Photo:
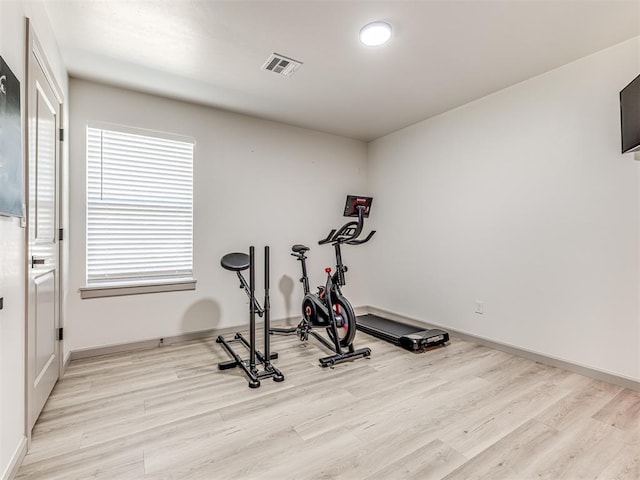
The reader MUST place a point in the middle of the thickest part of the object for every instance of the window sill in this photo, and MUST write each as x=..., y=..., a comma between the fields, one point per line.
x=136, y=289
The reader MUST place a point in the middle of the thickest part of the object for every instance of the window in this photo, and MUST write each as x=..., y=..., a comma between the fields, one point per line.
x=139, y=209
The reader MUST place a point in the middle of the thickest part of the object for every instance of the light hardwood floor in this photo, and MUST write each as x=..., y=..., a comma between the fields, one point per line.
x=460, y=412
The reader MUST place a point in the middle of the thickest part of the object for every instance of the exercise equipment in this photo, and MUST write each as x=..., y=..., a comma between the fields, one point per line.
x=406, y=336
x=238, y=262
x=328, y=308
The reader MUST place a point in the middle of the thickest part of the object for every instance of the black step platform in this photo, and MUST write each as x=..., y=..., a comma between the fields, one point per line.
x=406, y=336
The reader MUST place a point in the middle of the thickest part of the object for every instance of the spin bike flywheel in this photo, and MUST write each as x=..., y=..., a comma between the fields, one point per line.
x=344, y=315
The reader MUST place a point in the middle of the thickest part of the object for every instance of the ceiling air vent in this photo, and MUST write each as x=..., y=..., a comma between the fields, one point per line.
x=281, y=65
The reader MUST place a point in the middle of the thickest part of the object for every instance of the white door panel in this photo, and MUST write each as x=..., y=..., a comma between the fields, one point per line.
x=45, y=333
x=45, y=168
x=43, y=298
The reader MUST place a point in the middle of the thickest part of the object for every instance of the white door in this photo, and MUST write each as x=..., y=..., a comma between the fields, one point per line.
x=43, y=300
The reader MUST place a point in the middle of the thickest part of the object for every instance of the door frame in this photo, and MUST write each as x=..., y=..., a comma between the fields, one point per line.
x=34, y=47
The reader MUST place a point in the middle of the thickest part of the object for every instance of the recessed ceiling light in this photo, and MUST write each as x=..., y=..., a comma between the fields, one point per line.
x=375, y=34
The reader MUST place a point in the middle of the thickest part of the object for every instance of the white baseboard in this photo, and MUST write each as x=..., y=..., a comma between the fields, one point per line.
x=65, y=363
x=16, y=460
x=591, y=372
x=168, y=341
x=144, y=344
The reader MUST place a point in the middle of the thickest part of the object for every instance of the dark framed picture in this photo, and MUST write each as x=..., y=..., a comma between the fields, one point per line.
x=11, y=170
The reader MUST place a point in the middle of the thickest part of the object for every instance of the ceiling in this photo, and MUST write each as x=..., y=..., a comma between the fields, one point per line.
x=443, y=53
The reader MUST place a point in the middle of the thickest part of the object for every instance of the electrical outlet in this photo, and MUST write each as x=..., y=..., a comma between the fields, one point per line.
x=480, y=307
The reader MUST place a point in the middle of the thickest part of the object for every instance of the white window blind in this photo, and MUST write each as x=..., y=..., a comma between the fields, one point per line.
x=139, y=207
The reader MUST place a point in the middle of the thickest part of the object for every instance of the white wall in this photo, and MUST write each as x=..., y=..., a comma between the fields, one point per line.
x=521, y=200
x=256, y=182
x=12, y=237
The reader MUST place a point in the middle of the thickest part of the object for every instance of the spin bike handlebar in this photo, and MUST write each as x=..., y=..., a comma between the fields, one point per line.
x=349, y=232
x=328, y=239
x=360, y=242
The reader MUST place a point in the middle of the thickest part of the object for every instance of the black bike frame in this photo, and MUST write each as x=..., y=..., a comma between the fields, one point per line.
x=324, y=304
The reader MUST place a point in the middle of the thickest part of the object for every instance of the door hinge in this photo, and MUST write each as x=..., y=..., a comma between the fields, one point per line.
x=62, y=134
x=61, y=234
x=60, y=334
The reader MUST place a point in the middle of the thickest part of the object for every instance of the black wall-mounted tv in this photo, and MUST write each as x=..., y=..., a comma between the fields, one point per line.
x=630, y=116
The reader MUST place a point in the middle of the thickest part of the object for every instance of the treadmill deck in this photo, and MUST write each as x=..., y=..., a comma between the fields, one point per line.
x=407, y=336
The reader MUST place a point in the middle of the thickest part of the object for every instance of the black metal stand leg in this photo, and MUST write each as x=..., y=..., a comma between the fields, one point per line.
x=250, y=366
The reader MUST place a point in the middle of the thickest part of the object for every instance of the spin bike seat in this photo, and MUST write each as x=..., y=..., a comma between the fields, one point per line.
x=300, y=248
x=236, y=262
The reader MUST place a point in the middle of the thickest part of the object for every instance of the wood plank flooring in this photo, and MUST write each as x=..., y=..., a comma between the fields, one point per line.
x=460, y=412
